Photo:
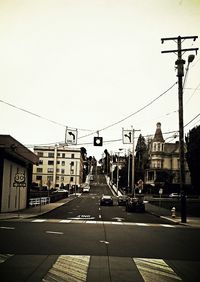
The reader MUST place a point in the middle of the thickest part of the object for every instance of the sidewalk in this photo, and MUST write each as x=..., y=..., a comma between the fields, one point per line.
x=166, y=214
x=37, y=210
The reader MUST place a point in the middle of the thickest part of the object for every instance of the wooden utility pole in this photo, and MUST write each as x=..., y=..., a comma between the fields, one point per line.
x=180, y=73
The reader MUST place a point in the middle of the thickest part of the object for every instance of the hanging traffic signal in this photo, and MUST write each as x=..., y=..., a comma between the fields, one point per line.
x=98, y=141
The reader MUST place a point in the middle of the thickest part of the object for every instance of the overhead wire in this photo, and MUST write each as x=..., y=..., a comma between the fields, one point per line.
x=136, y=112
x=39, y=116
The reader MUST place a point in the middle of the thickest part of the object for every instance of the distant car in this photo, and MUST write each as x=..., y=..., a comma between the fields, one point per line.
x=62, y=191
x=122, y=200
x=174, y=195
x=91, y=177
x=86, y=189
x=134, y=204
x=106, y=200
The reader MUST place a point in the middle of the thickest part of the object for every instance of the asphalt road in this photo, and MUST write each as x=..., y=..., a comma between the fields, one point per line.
x=87, y=242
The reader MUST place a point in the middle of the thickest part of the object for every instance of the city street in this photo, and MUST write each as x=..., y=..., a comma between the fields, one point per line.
x=89, y=242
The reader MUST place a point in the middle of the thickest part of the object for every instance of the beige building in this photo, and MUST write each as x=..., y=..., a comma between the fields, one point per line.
x=16, y=167
x=58, y=165
x=164, y=163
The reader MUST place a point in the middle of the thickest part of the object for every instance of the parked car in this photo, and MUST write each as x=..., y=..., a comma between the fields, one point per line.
x=122, y=200
x=86, y=188
x=135, y=204
x=106, y=200
x=174, y=195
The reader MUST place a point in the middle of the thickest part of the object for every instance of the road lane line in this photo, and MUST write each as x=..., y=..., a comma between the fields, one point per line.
x=4, y=257
x=7, y=227
x=155, y=270
x=65, y=221
x=39, y=220
x=54, y=232
x=68, y=268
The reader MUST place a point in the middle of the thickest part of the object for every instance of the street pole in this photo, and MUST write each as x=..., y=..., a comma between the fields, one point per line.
x=133, y=162
x=180, y=73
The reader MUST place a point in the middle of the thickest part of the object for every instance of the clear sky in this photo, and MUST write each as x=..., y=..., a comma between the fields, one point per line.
x=89, y=64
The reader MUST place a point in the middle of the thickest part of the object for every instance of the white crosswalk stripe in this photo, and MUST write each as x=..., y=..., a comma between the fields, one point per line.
x=81, y=221
x=155, y=270
x=68, y=268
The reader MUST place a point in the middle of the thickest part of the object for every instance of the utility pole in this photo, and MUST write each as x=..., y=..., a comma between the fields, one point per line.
x=180, y=73
x=133, y=162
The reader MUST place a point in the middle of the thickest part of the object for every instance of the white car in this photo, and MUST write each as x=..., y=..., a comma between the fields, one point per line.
x=174, y=195
x=86, y=188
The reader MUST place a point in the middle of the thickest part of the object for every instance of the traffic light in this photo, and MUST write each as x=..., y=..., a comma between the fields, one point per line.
x=98, y=141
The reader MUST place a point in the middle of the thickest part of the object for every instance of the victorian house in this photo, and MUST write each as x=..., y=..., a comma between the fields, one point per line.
x=164, y=163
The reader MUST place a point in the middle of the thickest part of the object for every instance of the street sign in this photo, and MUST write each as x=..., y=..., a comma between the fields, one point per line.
x=127, y=136
x=19, y=179
x=71, y=136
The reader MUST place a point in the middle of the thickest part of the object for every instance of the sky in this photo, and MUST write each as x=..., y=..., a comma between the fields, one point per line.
x=94, y=65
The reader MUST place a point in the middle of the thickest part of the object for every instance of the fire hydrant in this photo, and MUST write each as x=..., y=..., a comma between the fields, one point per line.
x=173, y=210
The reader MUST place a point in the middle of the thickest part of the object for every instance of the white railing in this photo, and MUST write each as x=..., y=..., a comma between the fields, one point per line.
x=39, y=201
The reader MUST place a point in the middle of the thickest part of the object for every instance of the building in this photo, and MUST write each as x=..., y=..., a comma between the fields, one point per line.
x=59, y=166
x=16, y=167
x=164, y=163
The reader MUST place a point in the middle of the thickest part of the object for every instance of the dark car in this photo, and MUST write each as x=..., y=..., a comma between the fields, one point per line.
x=135, y=204
x=106, y=200
x=122, y=200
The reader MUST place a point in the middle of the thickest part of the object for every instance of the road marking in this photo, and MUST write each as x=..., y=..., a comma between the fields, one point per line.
x=54, y=232
x=155, y=270
x=68, y=268
x=65, y=221
x=167, y=225
x=38, y=220
x=105, y=242
x=99, y=215
x=142, y=224
x=4, y=257
x=7, y=227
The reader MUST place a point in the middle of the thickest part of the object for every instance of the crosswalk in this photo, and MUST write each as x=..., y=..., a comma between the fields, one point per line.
x=76, y=220
x=86, y=268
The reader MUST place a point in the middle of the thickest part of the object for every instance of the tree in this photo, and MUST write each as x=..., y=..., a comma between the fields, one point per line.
x=141, y=158
x=193, y=155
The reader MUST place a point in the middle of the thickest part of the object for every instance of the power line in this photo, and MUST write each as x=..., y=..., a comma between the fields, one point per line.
x=38, y=116
x=136, y=112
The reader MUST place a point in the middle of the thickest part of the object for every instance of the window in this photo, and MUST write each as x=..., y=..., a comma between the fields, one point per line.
x=41, y=162
x=71, y=179
x=63, y=155
x=62, y=171
x=39, y=169
x=58, y=162
x=62, y=178
x=63, y=162
x=50, y=178
x=50, y=170
x=72, y=156
x=51, y=155
x=58, y=154
x=154, y=147
x=72, y=163
x=158, y=146
x=50, y=162
x=72, y=171
x=57, y=170
x=38, y=177
x=57, y=177
x=40, y=154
